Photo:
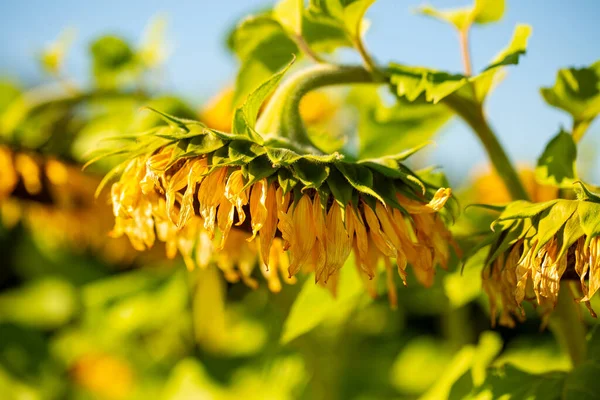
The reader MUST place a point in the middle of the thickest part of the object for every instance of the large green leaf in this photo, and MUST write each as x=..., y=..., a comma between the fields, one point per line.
x=556, y=165
x=289, y=13
x=481, y=12
x=384, y=130
x=315, y=304
x=347, y=15
x=576, y=91
x=263, y=47
x=508, y=56
x=244, y=118
x=112, y=59
x=432, y=86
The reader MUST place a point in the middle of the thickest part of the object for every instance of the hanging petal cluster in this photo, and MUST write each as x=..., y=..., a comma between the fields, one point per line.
x=535, y=246
x=226, y=198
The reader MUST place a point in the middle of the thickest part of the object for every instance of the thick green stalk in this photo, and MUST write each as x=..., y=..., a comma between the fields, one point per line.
x=472, y=113
x=282, y=115
x=579, y=129
x=567, y=326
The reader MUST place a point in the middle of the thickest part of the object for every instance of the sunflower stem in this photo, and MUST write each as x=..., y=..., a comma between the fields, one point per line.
x=579, y=129
x=282, y=115
x=471, y=111
x=568, y=327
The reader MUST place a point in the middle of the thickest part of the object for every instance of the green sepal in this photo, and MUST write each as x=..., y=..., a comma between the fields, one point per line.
x=287, y=180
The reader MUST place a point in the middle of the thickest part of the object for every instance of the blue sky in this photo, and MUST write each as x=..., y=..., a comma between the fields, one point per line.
x=563, y=35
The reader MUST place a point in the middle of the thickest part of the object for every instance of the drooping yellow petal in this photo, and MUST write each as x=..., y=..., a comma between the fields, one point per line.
x=594, y=268
x=319, y=255
x=269, y=228
x=361, y=241
x=176, y=183
x=375, y=233
x=210, y=194
x=258, y=206
x=297, y=230
x=224, y=220
x=236, y=194
x=437, y=202
x=197, y=168
x=338, y=242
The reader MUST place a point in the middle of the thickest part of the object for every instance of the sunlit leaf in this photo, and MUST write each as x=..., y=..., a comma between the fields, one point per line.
x=556, y=165
x=315, y=304
x=481, y=12
x=576, y=91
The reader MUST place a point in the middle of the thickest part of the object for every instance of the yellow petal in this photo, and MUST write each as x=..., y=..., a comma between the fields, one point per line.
x=269, y=228
x=258, y=206
x=297, y=230
x=437, y=202
x=338, y=243
x=210, y=194
x=235, y=193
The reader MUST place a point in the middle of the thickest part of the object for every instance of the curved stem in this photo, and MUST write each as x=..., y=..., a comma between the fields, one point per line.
x=567, y=326
x=282, y=115
x=579, y=129
x=472, y=113
x=464, y=48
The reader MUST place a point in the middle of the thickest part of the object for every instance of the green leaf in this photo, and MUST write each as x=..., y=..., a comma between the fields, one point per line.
x=508, y=56
x=416, y=82
x=286, y=180
x=408, y=124
x=311, y=174
x=576, y=91
x=523, y=209
x=244, y=118
x=314, y=304
x=583, y=383
x=323, y=34
x=430, y=85
x=354, y=12
x=112, y=59
x=289, y=14
x=360, y=177
x=347, y=15
x=552, y=220
x=482, y=12
x=203, y=144
x=339, y=187
x=242, y=152
x=263, y=47
x=511, y=383
x=258, y=169
x=589, y=217
x=556, y=166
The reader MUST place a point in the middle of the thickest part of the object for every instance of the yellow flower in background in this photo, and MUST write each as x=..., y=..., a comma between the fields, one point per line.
x=56, y=202
x=104, y=375
x=490, y=189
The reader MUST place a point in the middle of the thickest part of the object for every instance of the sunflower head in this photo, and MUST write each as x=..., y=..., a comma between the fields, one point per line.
x=536, y=245
x=242, y=202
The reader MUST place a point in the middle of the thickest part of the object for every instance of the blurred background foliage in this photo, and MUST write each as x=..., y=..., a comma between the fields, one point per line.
x=82, y=316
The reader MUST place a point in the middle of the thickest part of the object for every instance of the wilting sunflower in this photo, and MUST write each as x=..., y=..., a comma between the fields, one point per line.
x=534, y=247
x=243, y=201
x=56, y=200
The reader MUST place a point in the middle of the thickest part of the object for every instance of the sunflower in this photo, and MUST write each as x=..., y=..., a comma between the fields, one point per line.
x=226, y=197
x=534, y=247
x=56, y=200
